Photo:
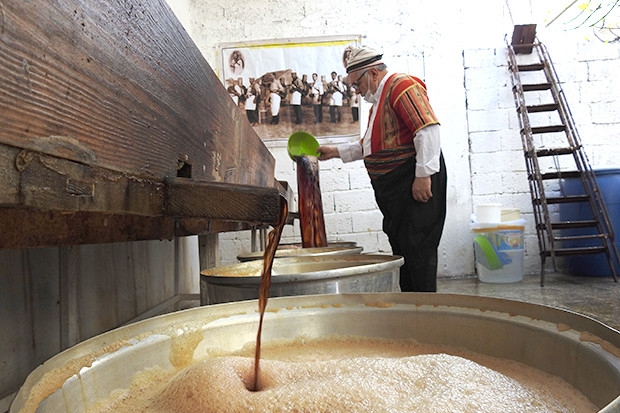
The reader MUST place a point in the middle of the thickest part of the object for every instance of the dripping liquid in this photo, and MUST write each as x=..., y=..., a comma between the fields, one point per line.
x=313, y=234
x=311, y=220
x=265, y=283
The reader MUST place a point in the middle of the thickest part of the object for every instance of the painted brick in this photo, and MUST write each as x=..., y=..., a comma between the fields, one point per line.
x=486, y=184
x=571, y=71
x=482, y=101
x=359, y=179
x=483, y=78
x=483, y=163
x=355, y=200
x=506, y=99
x=594, y=50
x=511, y=141
x=606, y=114
x=606, y=90
x=602, y=70
x=372, y=242
x=515, y=182
x=334, y=180
x=367, y=221
x=331, y=164
x=488, y=120
x=329, y=205
x=484, y=58
x=340, y=223
x=482, y=142
x=291, y=233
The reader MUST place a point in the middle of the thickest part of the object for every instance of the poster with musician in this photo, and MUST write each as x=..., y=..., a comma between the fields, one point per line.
x=287, y=85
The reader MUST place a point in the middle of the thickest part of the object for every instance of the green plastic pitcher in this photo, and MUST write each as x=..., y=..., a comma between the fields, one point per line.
x=302, y=144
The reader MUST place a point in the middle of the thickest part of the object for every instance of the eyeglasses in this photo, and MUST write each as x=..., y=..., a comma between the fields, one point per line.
x=356, y=84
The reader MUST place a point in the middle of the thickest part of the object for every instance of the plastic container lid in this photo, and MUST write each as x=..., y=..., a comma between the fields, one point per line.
x=302, y=144
x=477, y=227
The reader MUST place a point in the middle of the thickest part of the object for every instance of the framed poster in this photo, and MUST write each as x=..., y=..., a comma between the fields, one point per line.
x=286, y=85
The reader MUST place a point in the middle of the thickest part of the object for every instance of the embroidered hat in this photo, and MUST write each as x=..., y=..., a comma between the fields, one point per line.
x=362, y=57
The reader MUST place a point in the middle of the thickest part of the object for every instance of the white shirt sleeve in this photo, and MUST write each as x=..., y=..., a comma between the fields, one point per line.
x=350, y=151
x=428, y=149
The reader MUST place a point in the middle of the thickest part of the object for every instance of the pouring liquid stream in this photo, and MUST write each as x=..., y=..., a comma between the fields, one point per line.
x=313, y=235
x=265, y=283
x=311, y=220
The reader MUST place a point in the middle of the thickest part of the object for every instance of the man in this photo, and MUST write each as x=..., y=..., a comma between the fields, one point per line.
x=275, y=94
x=402, y=154
x=336, y=88
x=297, y=92
x=316, y=94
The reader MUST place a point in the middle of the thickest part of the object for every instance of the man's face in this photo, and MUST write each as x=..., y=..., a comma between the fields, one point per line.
x=359, y=80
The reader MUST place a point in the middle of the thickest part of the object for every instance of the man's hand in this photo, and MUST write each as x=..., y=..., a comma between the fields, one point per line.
x=421, y=189
x=327, y=152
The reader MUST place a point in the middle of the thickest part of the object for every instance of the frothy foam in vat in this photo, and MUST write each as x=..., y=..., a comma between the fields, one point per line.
x=354, y=376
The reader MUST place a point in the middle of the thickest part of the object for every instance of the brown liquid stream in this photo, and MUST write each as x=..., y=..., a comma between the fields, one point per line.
x=265, y=283
x=312, y=233
x=311, y=219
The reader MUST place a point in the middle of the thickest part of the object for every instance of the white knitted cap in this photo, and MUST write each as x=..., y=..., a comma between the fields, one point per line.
x=362, y=57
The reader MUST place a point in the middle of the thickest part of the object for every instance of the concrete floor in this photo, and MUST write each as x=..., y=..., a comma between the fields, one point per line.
x=597, y=297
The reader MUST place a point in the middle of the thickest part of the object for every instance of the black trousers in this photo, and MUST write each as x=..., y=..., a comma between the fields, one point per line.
x=413, y=228
x=318, y=113
x=297, y=111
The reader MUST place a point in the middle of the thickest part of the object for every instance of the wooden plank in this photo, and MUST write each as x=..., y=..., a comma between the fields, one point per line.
x=39, y=181
x=51, y=201
x=189, y=198
x=24, y=228
x=120, y=84
x=50, y=183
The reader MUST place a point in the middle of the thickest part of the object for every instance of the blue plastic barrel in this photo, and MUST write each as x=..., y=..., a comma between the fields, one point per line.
x=591, y=265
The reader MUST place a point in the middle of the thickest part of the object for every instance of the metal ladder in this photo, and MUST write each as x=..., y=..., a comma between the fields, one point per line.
x=553, y=152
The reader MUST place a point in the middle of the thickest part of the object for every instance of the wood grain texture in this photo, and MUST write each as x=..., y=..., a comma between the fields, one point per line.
x=189, y=198
x=25, y=228
x=120, y=84
x=102, y=102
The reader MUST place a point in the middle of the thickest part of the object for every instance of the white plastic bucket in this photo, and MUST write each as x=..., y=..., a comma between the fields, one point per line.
x=489, y=213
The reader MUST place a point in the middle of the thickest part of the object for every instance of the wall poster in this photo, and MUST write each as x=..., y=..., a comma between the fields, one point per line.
x=286, y=85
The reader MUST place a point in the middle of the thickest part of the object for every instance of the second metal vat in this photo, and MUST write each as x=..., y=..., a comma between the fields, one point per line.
x=355, y=273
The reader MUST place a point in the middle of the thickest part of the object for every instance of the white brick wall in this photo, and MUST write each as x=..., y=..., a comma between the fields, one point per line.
x=497, y=163
x=465, y=68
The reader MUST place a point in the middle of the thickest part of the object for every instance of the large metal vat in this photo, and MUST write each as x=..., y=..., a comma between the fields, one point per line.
x=295, y=250
x=305, y=275
x=580, y=350
x=339, y=244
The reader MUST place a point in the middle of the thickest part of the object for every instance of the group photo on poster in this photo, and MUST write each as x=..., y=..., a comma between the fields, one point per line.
x=294, y=85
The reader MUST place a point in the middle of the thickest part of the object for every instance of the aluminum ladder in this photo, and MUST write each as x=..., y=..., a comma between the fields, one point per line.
x=553, y=152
